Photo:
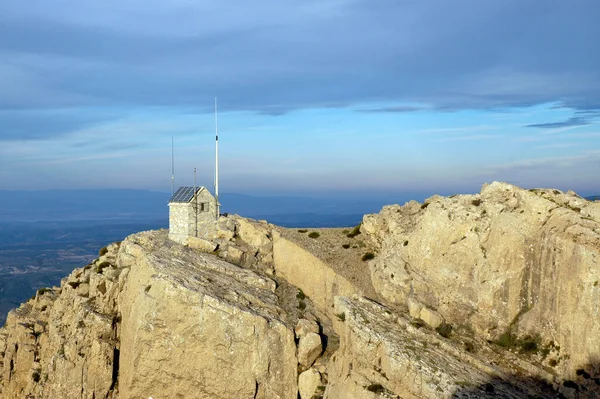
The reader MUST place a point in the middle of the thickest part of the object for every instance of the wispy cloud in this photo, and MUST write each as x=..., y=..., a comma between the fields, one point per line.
x=396, y=109
x=475, y=137
x=461, y=129
x=558, y=145
x=571, y=122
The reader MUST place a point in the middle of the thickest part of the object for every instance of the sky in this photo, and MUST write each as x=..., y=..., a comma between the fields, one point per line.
x=352, y=97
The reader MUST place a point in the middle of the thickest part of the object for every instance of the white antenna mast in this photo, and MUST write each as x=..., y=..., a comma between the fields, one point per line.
x=216, y=160
x=172, y=165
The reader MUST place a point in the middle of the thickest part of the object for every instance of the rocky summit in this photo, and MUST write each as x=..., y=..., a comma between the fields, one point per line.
x=492, y=295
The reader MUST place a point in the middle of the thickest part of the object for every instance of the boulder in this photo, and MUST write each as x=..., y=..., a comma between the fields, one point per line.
x=309, y=349
x=201, y=244
x=304, y=327
x=309, y=383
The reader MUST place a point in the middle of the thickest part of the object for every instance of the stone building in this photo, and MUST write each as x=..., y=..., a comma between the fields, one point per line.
x=192, y=213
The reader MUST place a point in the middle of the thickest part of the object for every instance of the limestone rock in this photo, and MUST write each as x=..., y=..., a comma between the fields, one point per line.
x=431, y=317
x=163, y=321
x=253, y=233
x=309, y=383
x=234, y=255
x=309, y=273
x=504, y=259
x=201, y=244
x=304, y=327
x=309, y=349
x=382, y=355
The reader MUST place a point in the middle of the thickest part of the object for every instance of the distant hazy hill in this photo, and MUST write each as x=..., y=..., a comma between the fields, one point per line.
x=593, y=198
x=73, y=205
x=69, y=205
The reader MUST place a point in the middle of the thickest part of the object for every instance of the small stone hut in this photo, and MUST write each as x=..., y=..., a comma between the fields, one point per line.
x=192, y=213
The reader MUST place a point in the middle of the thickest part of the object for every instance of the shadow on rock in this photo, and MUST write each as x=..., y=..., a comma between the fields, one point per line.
x=585, y=385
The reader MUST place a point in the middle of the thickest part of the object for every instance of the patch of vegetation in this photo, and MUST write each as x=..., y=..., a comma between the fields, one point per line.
x=314, y=234
x=301, y=305
x=476, y=202
x=368, y=256
x=346, y=246
x=341, y=316
x=596, y=283
x=528, y=344
x=553, y=363
x=42, y=291
x=425, y=205
x=444, y=330
x=74, y=284
x=405, y=243
x=376, y=388
x=36, y=376
x=103, y=251
x=355, y=231
x=345, y=231
x=101, y=266
x=300, y=295
x=302, y=231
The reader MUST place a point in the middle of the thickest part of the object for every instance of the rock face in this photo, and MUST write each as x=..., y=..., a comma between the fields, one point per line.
x=159, y=320
x=472, y=296
x=506, y=262
x=384, y=355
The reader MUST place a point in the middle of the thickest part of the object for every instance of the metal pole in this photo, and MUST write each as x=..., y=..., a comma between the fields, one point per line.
x=172, y=166
x=216, y=160
x=195, y=206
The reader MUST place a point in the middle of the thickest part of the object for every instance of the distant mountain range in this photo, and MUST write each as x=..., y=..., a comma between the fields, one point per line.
x=593, y=198
x=78, y=205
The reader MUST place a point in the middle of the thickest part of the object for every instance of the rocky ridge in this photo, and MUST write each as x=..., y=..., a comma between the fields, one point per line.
x=486, y=295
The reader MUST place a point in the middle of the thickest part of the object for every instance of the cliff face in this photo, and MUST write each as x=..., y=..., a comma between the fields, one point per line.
x=488, y=295
x=152, y=319
x=506, y=263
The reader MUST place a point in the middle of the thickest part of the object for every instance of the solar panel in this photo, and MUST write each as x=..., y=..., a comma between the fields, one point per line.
x=183, y=194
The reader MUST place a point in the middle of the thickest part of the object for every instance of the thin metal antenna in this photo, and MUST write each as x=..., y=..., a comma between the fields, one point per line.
x=217, y=160
x=195, y=206
x=172, y=165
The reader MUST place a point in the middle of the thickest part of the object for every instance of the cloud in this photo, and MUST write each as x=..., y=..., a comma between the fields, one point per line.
x=276, y=56
x=397, y=109
x=47, y=124
x=475, y=137
x=573, y=121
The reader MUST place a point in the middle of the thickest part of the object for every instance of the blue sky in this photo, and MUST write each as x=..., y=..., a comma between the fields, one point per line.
x=337, y=96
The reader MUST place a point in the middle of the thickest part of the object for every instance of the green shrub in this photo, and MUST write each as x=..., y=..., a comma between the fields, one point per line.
x=529, y=344
x=507, y=340
x=345, y=231
x=341, y=316
x=377, y=388
x=301, y=305
x=444, y=330
x=313, y=234
x=101, y=266
x=368, y=256
x=300, y=295
x=355, y=231
x=346, y=246
x=42, y=291
x=302, y=231
x=103, y=251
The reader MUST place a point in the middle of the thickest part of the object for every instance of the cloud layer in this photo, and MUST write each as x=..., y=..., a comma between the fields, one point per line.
x=273, y=56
